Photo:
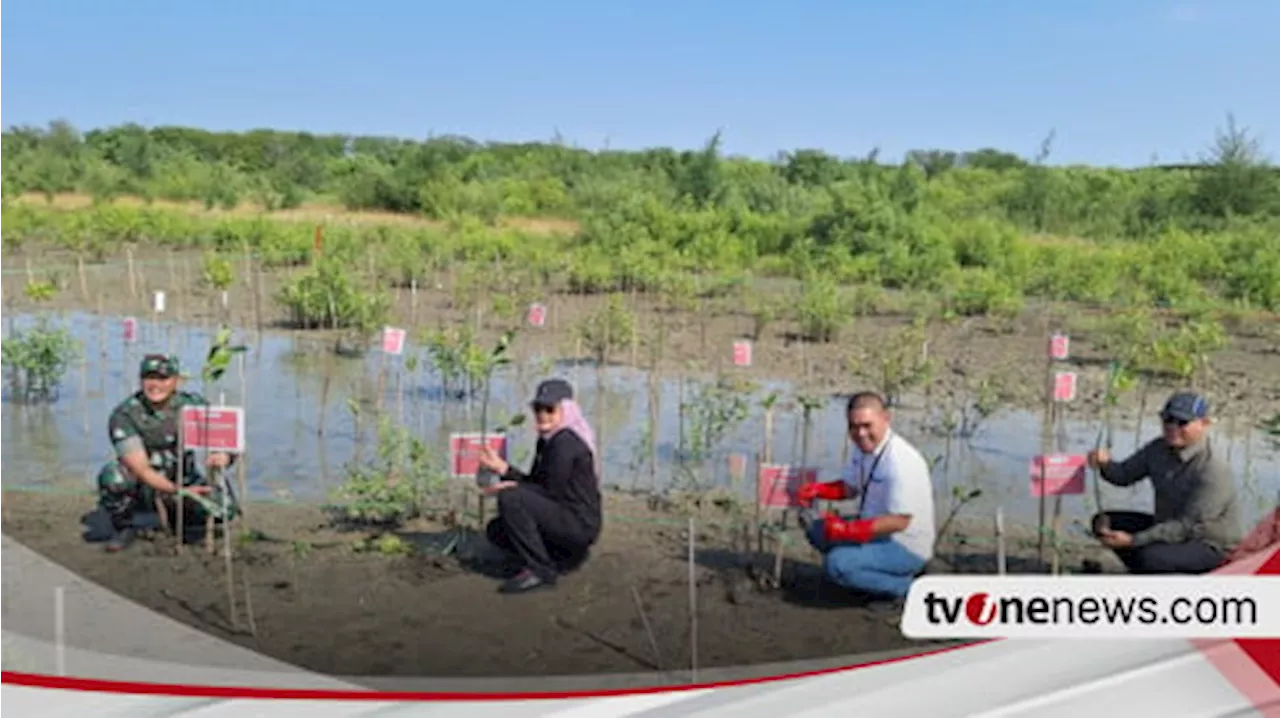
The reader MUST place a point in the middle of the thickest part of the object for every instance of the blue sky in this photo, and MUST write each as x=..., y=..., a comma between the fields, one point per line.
x=1121, y=81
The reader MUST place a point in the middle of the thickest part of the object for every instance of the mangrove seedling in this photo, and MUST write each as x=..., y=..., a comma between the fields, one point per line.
x=37, y=359
x=808, y=404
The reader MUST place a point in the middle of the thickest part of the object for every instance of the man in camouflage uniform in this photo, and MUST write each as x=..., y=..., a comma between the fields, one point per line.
x=144, y=434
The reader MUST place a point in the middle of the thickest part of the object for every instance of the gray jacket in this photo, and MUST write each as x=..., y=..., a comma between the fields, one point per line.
x=1195, y=496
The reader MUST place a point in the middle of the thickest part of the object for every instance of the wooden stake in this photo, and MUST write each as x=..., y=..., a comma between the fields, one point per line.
x=84, y=281
x=693, y=607
x=133, y=278
x=1001, y=567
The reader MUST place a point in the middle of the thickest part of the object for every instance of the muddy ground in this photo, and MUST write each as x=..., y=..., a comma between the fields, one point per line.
x=321, y=603
x=1245, y=380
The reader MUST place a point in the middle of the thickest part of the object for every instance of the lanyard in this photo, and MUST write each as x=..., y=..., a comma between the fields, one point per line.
x=866, y=482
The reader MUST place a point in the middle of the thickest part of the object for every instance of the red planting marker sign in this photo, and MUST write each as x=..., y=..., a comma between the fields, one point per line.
x=216, y=428
x=779, y=484
x=464, y=452
x=1058, y=475
x=737, y=465
x=742, y=353
x=130, y=330
x=1059, y=347
x=537, y=315
x=1064, y=386
x=393, y=341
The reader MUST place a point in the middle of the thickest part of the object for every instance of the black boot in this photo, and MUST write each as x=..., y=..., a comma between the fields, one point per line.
x=120, y=540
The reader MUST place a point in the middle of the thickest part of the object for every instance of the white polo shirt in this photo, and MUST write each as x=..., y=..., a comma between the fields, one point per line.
x=899, y=483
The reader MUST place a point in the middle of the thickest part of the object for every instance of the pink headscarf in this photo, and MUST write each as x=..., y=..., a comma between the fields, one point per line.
x=571, y=418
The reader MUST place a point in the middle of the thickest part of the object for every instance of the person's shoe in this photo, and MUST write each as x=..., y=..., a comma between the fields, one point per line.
x=885, y=606
x=120, y=540
x=524, y=582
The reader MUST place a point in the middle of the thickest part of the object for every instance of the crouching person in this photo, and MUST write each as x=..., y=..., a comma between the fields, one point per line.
x=144, y=434
x=882, y=549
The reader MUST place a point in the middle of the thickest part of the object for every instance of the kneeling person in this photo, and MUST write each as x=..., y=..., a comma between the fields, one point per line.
x=144, y=433
x=1196, y=522
x=883, y=548
x=548, y=518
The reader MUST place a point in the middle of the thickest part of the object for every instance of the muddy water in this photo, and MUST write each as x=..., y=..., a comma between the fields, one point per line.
x=311, y=413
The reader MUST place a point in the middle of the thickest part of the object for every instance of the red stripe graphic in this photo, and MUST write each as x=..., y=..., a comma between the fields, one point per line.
x=36, y=680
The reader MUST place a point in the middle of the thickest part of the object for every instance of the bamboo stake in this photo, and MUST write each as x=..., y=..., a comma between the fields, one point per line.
x=693, y=607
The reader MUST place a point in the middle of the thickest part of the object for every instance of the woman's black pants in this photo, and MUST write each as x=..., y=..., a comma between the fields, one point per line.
x=546, y=536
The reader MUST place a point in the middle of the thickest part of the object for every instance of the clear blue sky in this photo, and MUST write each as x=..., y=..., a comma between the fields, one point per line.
x=1121, y=81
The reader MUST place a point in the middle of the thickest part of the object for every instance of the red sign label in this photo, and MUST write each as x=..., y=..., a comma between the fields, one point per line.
x=464, y=452
x=1058, y=475
x=779, y=484
x=216, y=428
x=393, y=340
x=537, y=315
x=1064, y=386
x=742, y=353
x=130, y=330
x=1059, y=347
x=737, y=465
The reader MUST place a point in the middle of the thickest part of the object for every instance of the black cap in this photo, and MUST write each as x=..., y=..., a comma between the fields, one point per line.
x=1185, y=406
x=551, y=392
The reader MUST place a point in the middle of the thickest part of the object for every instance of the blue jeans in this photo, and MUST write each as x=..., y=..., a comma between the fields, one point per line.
x=883, y=566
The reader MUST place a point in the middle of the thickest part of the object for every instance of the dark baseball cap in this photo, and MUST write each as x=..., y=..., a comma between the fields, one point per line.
x=551, y=392
x=1185, y=406
x=160, y=365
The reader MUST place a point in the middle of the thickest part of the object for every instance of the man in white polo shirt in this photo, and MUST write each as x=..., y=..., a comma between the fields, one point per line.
x=884, y=547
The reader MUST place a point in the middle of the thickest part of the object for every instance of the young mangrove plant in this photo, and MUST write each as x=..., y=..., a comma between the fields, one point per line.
x=218, y=274
x=606, y=329
x=36, y=361
x=821, y=311
x=395, y=486
x=902, y=363
x=326, y=296
x=451, y=351
x=714, y=410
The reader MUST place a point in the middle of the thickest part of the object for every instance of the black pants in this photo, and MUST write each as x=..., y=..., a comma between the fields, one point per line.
x=547, y=537
x=1191, y=557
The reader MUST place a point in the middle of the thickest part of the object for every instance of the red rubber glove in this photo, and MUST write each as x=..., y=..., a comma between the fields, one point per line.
x=837, y=530
x=830, y=491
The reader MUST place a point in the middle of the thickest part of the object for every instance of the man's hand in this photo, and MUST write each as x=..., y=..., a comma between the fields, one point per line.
x=199, y=490
x=498, y=487
x=1116, y=539
x=218, y=460
x=1099, y=458
x=807, y=493
x=831, y=491
x=490, y=460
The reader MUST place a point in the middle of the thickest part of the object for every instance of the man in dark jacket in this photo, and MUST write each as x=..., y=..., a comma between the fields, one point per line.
x=1196, y=521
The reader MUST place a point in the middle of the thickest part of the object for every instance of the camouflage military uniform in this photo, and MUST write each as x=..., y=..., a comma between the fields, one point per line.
x=136, y=425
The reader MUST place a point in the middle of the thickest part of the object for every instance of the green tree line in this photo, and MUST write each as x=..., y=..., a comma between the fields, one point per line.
x=447, y=176
x=986, y=222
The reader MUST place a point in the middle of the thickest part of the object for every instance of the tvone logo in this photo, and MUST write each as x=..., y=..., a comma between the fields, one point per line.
x=980, y=609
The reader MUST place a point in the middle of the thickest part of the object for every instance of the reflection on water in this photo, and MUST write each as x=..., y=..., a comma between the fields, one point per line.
x=311, y=412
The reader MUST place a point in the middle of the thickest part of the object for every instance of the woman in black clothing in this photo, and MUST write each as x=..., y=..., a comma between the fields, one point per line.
x=550, y=517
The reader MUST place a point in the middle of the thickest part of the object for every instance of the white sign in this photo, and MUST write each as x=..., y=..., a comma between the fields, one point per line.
x=157, y=303
x=1099, y=607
